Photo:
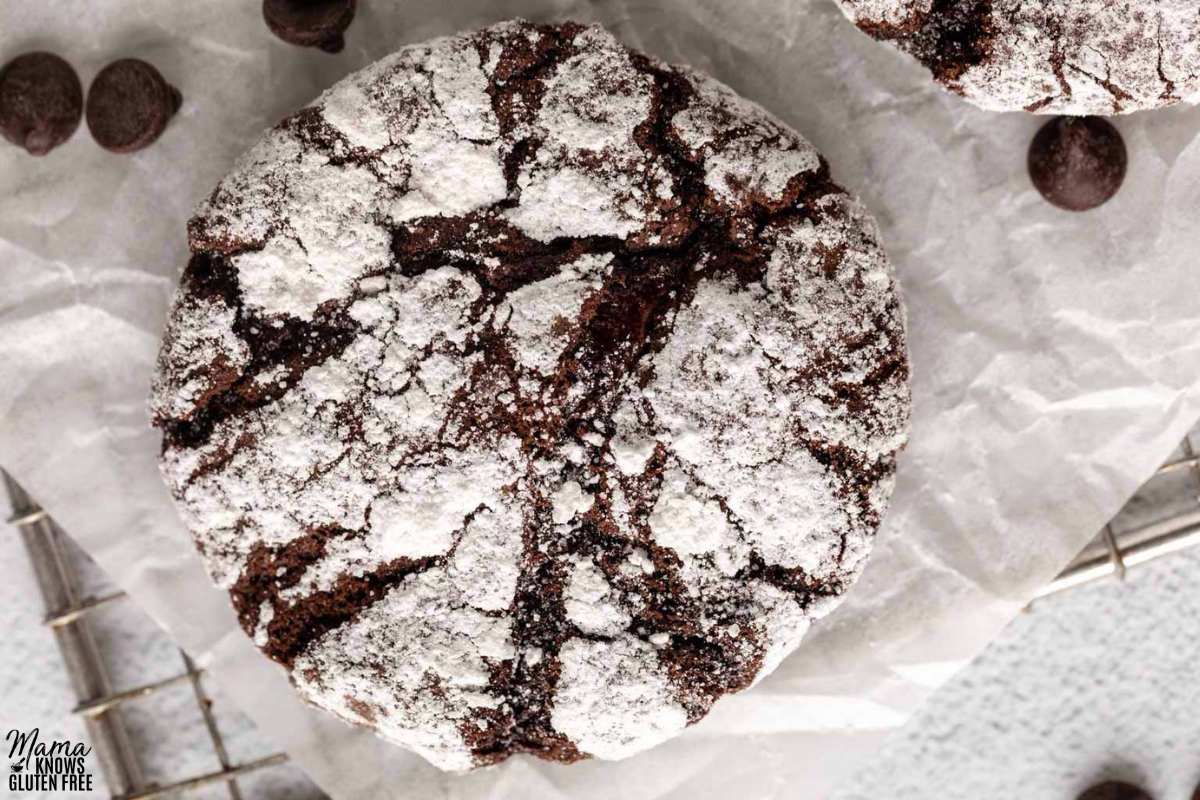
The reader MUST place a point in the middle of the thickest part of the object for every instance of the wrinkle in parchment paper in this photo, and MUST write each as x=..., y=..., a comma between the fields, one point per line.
x=1055, y=357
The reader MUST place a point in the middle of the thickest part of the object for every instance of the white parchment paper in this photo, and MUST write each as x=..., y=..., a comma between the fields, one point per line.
x=1056, y=357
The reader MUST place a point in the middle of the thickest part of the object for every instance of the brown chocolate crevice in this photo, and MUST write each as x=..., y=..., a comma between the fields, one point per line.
x=289, y=343
x=949, y=38
x=297, y=624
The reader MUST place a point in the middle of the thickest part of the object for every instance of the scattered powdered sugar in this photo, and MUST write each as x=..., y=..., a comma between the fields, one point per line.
x=486, y=562
x=355, y=116
x=569, y=500
x=613, y=699
x=891, y=12
x=594, y=102
x=424, y=678
x=572, y=202
x=758, y=160
x=529, y=395
x=631, y=446
x=200, y=355
x=592, y=603
x=460, y=88
x=449, y=179
x=420, y=516
x=266, y=613
x=1083, y=57
x=540, y=316
x=687, y=522
x=326, y=250
x=734, y=170
x=592, y=105
x=784, y=621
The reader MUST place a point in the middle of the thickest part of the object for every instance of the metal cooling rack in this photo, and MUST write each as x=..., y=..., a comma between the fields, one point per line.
x=99, y=705
x=1112, y=555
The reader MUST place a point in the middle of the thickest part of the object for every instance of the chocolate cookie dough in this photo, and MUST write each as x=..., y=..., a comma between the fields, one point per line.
x=1077, y=57
x=41, y=101
x=310, y=23
x=529, y=395
x=1077, y=163
x=129, y=105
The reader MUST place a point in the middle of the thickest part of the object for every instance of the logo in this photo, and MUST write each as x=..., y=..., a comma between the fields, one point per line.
x=37, y=766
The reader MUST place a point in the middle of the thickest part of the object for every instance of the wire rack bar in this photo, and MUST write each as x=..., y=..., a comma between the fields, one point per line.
x=206, y=779
x=1104, y=566
x=85, y=606
x=101, y=704
x=210, y=724
x=1116, y=556
x=1139, y=546
x=27, y=517
x=1187, y=462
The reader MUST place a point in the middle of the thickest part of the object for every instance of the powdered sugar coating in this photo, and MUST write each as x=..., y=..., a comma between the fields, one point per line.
x=611, y=701
x=529, y=395
x=1079, y=57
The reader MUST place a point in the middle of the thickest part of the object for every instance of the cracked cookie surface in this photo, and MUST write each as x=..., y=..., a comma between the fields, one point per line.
x=1048, y=56
x=528, y=395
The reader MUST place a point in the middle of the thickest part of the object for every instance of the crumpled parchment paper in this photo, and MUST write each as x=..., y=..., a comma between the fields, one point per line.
x=1056, y=357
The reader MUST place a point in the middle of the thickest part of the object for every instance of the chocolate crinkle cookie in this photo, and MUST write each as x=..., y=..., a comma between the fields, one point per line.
x=528, y=395
x=1074, y=57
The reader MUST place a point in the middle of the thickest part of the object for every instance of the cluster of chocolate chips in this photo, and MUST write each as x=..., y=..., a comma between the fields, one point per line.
x=130, y=103
x=41, y=102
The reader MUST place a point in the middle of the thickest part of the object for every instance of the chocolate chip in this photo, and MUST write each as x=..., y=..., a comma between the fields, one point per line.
x=1114, y=790
x=41, y=101
x=310, y=23
x=129, y=105
x=1077, y=163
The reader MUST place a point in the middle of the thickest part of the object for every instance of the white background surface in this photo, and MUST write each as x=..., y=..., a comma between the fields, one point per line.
x=1098, y=682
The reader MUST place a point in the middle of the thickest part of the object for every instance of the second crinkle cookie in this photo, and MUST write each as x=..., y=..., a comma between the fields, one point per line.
x=529, y=394
x=1050, y=56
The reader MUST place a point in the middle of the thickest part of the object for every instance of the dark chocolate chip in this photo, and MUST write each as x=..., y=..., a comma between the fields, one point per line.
x=1115, y=790
x=310, y=23
x=1077, y=163
x=41, y=101
x=129, y=105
